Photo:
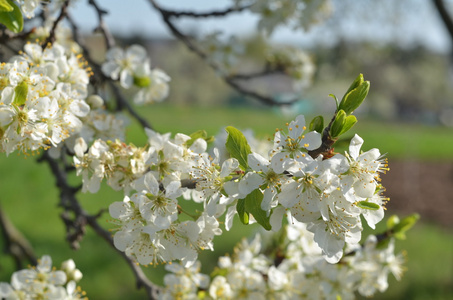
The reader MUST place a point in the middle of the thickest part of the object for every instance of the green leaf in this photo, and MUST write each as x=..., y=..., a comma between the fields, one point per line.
x=392, y=221
x=142, y=82
x=336, y=100
x=317, y=124
x=356, y=83
x=200, y=134
x=243, y=215
x=253, y=206
x=5, y=6
x=13, y=20
x=355, y=95
x=219, y=272
x=20, y=93
x=202, y=295
x=338, y=123
x=348, y=123
x=402, y=227
x=368, y=205
x=237, y=146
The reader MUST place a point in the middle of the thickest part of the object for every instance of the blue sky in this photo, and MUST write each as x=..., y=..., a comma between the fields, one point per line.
x=418, y=23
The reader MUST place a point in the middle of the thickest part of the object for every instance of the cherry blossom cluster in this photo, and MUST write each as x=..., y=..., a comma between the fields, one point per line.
x=43, y=95
x=294, y=13
x=295, y=269
x=329, y=194
x=149, y=227
x=45, y=282
x=132, y=67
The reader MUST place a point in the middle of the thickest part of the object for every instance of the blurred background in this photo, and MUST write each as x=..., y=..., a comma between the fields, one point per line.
x=404, y=48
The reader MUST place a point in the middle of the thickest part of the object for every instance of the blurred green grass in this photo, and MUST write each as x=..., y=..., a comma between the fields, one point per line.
x=396, y=140
x=30, y=198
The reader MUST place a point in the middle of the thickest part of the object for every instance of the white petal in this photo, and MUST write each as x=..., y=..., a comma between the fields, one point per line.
x=122, y=240
x=79, y=108
x=277, y=217
x=199, y=146
x=136, y=53
x=250, y=182
x=151, y=183
x=80, y=147
x=229, y=166
x=354, y=146
x=277, y=162
x=257, y=162
x=313, y=139
x=229, y=217
x=297, y=127
x=173, y=190
x=114, y=53
x=126, y=79
x=111, y=69
x=373, y=217
x=365, y=186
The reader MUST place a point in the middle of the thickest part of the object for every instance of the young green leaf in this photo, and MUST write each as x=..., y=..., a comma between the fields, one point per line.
x=253, y=206
x=5, y=6
x=356, y=83
x=317, y=124
x=355, y=95
x=400, y=228
x=13, y=19
x=20, y=93
x=368, y=205
x=348, y=123
x=338, y=124
x=336, y=100
x=237, y=146
x=243, y=215
x=142, y=81
x=392, y=221
x=200, y=134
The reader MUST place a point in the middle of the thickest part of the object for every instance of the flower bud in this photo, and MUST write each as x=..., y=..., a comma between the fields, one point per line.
x=95, y=101
x=68, y=266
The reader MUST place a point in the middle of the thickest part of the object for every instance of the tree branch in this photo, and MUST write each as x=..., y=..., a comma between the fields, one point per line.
x=76, y=226
x=15, y=243
x=445, y=16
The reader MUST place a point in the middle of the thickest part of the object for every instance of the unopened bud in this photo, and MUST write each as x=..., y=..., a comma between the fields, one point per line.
x=95, y=101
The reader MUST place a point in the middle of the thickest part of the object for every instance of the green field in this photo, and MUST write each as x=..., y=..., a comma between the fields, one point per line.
x=30, y=198
x=398, y=140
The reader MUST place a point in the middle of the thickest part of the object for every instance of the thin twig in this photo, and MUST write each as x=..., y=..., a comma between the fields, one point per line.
x=216, y=13
x=265, y=72
x=109, y=40
x=122, y=103
x=64, y=10
x=229, y=80
x=15, y=243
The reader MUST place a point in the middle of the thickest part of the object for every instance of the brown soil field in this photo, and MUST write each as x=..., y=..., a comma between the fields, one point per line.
x=422, y=187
